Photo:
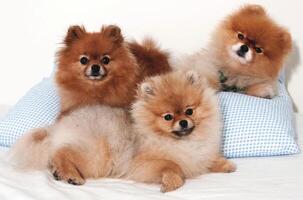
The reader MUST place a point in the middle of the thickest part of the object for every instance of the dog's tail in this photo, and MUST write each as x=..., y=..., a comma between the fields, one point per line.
x=31, y=151
x=150, y=57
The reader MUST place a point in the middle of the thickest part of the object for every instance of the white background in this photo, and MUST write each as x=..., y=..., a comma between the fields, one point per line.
x=31, y=32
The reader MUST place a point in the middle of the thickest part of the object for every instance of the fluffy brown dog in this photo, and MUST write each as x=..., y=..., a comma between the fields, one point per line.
x=178, y=131
x=97, y=74
x=101, y=68
x=247, y=49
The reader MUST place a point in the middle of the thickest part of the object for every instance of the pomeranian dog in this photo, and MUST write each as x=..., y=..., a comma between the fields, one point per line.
x=94, y=70
x=178, y=131
x=89, y=142
x=102, y=68
x=246, y=53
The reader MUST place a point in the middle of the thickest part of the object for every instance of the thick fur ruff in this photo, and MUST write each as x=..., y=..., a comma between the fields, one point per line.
x=161, y=156
x=90, y=142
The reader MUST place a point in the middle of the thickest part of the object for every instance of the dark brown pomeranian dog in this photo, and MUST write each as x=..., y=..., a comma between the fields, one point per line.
x=97, y=78
x=248, y=50
x=101, y=68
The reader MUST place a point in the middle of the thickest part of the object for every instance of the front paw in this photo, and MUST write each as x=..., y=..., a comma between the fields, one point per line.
x=171, y=181
x=63, y=169
x=69, y=177
x=263, y=91
x=228, y=167
x=222, y=165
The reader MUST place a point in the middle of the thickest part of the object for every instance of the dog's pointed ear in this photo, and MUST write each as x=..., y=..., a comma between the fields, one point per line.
x=113, y=32
x=74, y=33
x=192, y=77
x=146, y=89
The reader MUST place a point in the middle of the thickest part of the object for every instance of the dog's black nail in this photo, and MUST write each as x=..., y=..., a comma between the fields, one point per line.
x=268, y=97
x=73, y=182
x=56, y=176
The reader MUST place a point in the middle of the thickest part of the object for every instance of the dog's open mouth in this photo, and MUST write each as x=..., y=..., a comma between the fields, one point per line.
x=183, y=132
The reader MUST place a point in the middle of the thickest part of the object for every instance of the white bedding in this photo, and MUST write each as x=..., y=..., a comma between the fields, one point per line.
x=271, y=178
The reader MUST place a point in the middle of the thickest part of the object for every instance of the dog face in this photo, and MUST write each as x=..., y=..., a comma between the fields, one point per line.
x=251, y=43
x=94, y=60
x=174, y=119
x=171, y=105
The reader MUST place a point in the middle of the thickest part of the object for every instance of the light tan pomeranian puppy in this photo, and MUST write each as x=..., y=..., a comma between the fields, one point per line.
x=246, y=53
x=89, y=142
x=178, y=127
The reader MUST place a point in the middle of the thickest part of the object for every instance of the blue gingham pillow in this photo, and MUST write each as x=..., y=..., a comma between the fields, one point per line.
x=38, y=107
x=256, y=126
x=252, y=126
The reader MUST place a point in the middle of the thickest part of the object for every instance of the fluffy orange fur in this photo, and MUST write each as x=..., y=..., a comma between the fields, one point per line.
x=98, y=97
x=127, y=67
x=166, y=152
x=259, y=30
x=257, y=26
x=267, y=45
x=151, y=59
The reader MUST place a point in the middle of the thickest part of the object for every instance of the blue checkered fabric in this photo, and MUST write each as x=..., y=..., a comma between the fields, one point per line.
x=39, y=107
x=257, y=127
x=252, y=126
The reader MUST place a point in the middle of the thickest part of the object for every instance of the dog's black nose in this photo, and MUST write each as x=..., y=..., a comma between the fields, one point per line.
x=183, y=123
x=95, y=70
x=244, y=48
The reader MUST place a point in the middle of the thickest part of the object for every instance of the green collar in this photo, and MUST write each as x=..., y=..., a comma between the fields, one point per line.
x=227, y=88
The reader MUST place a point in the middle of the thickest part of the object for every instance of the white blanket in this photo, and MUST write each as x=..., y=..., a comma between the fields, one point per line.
x=274, y=178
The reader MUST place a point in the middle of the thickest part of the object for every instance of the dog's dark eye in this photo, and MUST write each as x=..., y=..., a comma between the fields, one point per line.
x=240, y=36
x=258, y=50
x=168, y=117
x=189, y=111
x=83, y=60
x=105, y=60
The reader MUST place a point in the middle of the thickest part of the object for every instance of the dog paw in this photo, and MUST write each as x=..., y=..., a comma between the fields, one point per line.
x=267, y=94
x=171, y=181
x=67, y=174
x=229, y=167
x=263, y=91
x=65, y=167
x=70, y=178
x=222, y=165
x=75, y=181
